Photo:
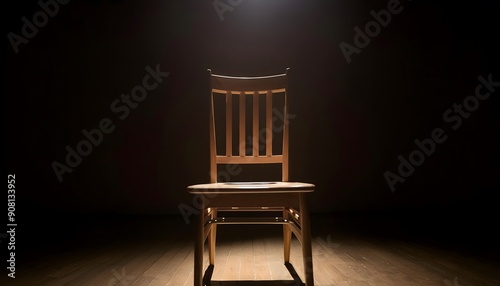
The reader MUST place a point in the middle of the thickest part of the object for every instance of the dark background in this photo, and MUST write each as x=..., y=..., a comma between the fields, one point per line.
x=352, y=120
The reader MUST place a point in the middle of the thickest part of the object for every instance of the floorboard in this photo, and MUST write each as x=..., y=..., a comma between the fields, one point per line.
x=159, y=251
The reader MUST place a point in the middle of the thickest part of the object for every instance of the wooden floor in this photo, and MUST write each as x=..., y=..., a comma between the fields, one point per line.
x=143, y=252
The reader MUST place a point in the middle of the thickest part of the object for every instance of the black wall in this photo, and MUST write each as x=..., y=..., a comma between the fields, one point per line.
x=352, y=119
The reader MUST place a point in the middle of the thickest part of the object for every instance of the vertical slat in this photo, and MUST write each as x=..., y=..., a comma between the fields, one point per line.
x=213, y=164
x=229, y=124
x=255, y=139
x=269, y=121
x=284, y=165
x=242, y=125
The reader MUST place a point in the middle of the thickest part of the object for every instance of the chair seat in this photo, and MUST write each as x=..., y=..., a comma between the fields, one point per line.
x=251, y=188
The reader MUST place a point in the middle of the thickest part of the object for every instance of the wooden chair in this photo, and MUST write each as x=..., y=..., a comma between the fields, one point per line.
x=282, y=197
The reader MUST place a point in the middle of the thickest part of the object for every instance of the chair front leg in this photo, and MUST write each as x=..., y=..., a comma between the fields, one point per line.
x=198, y=249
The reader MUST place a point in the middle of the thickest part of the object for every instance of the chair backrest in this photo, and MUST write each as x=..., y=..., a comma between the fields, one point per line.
x=243, y=88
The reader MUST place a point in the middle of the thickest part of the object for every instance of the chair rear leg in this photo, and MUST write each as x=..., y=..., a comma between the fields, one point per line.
x=212, y=238
x=287, y=238
x=306, y=241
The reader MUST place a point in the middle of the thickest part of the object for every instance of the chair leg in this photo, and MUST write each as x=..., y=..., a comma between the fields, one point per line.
x=211, y=239
x=287, y=238
x=198, y=249
x=306, y=241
